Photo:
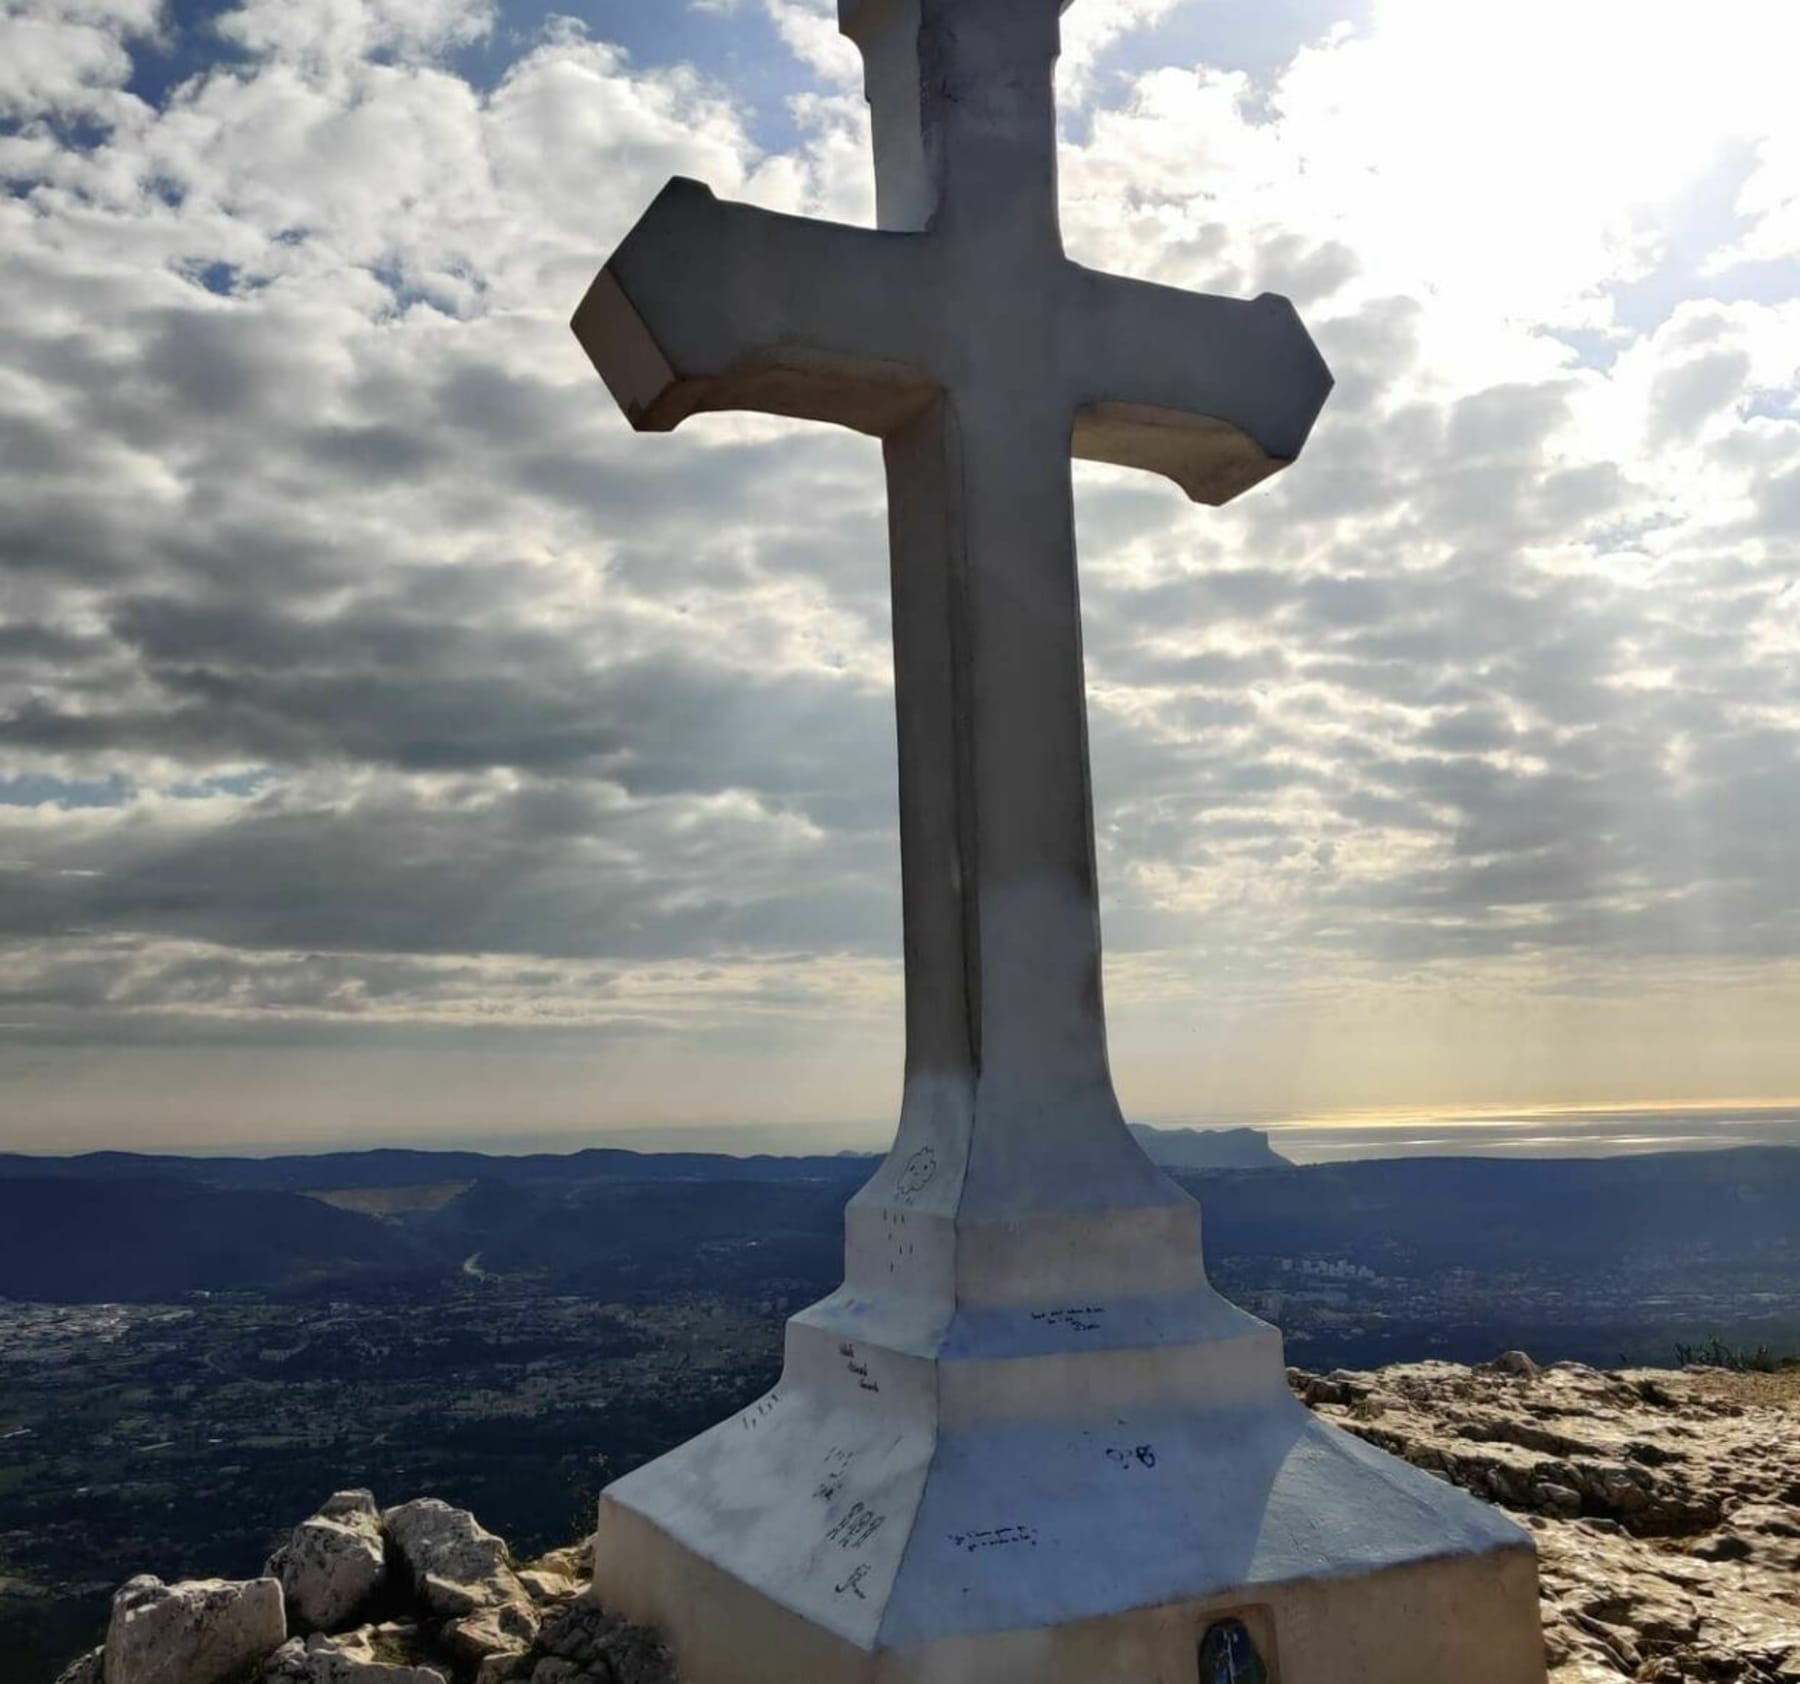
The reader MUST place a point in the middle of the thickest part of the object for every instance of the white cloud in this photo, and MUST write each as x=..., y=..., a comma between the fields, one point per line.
x=437, y=699
x=1092, y=26
x=333, y=34
x=69, y=57
x=809, y=28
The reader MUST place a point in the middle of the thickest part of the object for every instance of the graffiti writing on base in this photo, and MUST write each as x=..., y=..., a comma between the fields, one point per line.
x=837, y=1468
x=857, y=1527
x=754, y=1415
x=993, y=1538
x=1138, y=1456
x=1083, y=1318
x=859, y=1369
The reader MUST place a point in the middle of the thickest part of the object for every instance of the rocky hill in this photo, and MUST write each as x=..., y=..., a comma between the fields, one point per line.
x=1666, y=1507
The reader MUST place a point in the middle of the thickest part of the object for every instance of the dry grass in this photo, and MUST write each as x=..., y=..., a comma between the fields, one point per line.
x=1779, y=1391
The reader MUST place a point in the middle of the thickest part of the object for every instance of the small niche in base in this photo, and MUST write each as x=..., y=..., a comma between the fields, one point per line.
x=1229, y=1656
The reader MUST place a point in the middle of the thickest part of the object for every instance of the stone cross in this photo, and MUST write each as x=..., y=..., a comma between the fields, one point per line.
x=983, y=358
x=1026, y=1439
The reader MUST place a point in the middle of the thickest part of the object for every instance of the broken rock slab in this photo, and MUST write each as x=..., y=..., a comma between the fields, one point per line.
x=358, y=1657
x=205, y=1631
x=89, y=1669
x=456, y=1565
x=333, y=1564
x=581, y=1641
x=464, y=1574
x=507, y=1628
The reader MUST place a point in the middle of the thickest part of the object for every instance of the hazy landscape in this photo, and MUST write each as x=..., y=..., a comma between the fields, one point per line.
x=193, y=1350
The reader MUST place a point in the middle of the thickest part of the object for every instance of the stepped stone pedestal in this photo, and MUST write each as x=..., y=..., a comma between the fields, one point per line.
x=1026, y=1442
x=1042, y=1450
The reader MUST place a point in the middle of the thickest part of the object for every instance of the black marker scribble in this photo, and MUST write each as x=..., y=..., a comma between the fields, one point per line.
x=752, y=1417
x=1077, y=1318
x=994, y=1537
x=1143, y=1454
x=836, y=1470
x=857, y=1527
x=916, y=1174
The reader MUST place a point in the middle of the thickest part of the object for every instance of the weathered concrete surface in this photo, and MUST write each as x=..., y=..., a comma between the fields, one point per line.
x=1468, y=1619
x=1026, y=1417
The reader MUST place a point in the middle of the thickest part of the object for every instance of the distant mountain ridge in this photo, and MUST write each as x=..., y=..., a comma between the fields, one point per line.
x=1190, y=1148
x=397, y=1166
x=400, y=1166
x=118, y=1227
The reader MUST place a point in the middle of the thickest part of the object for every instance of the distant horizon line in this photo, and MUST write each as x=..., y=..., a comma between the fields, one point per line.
x=1329, y=1135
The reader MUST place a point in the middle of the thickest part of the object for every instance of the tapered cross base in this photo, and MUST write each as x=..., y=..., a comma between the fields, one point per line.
x=1083, y=1508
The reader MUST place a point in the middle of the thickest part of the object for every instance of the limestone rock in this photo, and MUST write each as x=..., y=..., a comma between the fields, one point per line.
x=1517, y=1364
x=357, y=1503
x=581, y=1641
x=90, y=1669
x=1666, y=1507
x=575, y=1561
x=206, y=1631
x=358, y=1657
x=505, y=1628
x=332, y=1565
x=546, y=1586
x=456, y=1565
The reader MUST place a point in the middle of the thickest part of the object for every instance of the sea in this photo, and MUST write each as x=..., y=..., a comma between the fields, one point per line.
x=1534, y=1132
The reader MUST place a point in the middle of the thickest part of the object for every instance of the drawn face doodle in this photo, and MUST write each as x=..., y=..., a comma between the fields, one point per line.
x=916, y=1174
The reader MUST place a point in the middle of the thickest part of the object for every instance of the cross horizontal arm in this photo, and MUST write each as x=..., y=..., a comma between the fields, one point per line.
x=711, y=305
x=1214, y=393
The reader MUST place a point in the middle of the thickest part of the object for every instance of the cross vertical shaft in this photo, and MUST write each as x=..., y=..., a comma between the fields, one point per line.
x=961, y=335
x=997, y=861
x=1003, y=980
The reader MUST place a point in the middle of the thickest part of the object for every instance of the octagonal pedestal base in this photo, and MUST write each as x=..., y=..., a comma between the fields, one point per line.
x=864, y=1538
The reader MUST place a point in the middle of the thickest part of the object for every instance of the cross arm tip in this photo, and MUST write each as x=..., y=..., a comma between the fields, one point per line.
x=1216, y=394
x=708, y=304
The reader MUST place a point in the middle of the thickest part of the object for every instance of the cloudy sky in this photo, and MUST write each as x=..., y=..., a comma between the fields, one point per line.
x=393, y=746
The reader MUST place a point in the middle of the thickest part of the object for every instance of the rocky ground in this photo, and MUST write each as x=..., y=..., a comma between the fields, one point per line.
x=1666, y=1507
x=420, y=1593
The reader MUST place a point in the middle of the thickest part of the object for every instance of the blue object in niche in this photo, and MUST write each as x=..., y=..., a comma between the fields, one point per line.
x=1227, y=1655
